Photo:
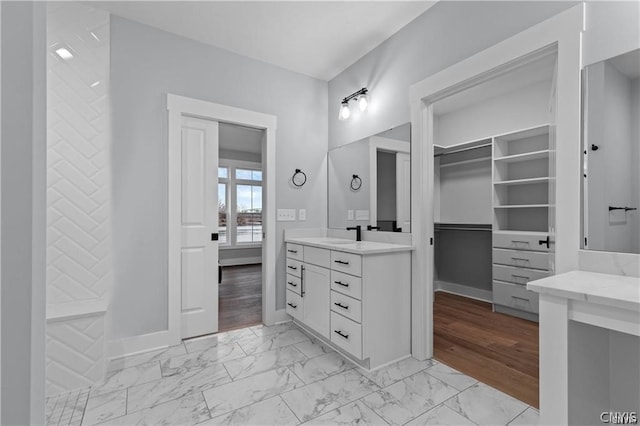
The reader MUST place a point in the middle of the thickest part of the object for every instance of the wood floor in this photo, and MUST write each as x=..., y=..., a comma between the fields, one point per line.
x=496, y=349
x=240, y=297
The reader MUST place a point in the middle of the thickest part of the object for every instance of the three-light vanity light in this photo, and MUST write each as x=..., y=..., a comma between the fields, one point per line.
x=360, y=97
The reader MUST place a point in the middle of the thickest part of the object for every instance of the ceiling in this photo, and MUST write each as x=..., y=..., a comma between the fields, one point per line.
x=234, y=137
x=628, y=64
x=316, y=38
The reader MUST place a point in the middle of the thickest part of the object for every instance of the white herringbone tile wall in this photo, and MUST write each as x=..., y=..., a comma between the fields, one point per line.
x=78, y=191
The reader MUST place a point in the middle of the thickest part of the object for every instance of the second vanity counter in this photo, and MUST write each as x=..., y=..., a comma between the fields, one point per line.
x=354, y=295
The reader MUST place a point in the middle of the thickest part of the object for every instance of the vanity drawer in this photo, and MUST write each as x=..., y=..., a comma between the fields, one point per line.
x=346, y=334
x=347, y=306
x=295, y=251
x=293, y=284
x=515, y=296
x=517, y=275
x=346, y=262
x=521, y=258
x=294, y=305
x=317, y=256
x=294, y=267
x=517, y=241
x=346, y=284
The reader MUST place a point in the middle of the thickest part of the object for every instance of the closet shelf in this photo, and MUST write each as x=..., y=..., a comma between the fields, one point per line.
x=527, y=156
x=522, y=206
x=442, y=150
x=522, y=181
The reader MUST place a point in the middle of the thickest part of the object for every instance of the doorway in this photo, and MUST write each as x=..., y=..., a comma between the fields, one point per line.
x=240, y=201
x=180, y=107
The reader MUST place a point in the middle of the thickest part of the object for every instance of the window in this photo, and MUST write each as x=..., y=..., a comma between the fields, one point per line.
x=239, y=203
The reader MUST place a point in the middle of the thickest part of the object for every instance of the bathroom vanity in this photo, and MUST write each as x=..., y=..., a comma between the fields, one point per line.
x=354, y=295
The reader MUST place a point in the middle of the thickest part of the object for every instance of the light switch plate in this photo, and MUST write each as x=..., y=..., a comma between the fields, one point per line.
x=286, y=215
x=302, y=214
x=349, y=214
x=362, y=214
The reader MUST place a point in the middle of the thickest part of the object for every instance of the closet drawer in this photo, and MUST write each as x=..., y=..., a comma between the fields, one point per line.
x=317, y=256
x=295, y=251
x=517, y=275
x=521, y=258
x=347, y=306
x=346, y=334
x=294, y=305
x=520, y=241
x=346, y=262
x=515, y=296
x=294, y=267
x=293, y=283
x=346, y=284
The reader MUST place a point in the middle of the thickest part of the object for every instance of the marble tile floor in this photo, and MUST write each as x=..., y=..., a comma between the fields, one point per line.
x=280, y=376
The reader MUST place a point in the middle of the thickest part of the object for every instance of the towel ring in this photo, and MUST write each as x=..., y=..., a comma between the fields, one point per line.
x=356, y=182
x=299, y=178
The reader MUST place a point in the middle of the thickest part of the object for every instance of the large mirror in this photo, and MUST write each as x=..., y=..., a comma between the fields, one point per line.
x=370, y=182
x=611, y=154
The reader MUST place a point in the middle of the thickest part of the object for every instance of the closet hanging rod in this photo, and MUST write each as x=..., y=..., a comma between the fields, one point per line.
x=462, y=149
x=461, y=227
x=450, y=228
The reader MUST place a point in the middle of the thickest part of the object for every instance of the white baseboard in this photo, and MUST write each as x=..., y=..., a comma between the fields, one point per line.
x=463, y=290
x=280, y=316
x=241, y=261
x=138, y=344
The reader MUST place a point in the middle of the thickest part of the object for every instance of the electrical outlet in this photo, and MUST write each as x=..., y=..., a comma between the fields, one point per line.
x=362, y=214
x=349, y=214
x=302, y=214
x=286, y=215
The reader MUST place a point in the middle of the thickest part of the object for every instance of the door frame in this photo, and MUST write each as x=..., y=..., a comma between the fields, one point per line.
x=179, y=106
x=562, y=32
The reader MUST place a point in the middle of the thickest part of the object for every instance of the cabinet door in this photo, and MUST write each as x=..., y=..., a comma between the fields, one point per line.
x=315, y=295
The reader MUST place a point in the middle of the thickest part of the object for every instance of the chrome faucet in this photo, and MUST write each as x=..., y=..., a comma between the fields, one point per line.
x=358, y=230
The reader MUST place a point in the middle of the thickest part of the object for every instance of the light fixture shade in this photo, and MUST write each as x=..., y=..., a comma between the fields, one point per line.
x=344, y=111
x=363, y=102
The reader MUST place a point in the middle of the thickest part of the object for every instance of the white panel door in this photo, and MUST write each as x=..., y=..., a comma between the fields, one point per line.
x=315, y=296
x=403, y=191
x=199, y=223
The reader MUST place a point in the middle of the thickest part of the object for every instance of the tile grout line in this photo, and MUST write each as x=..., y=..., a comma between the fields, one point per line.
x=518, y=415
x=292, y=412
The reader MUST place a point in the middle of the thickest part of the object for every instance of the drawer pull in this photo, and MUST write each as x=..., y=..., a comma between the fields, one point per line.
x=292, y=305
x=546, y=242
x=342, y=284
x=339, y=332
x=292, y=284
x=520, y=276
x=292, y=267
x=342, y=262
x=293, y=251
x=524, y=259
x=340, y=305
x=521, y=298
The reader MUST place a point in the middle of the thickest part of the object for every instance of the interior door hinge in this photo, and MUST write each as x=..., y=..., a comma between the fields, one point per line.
x=431, y=240
x=214, y=236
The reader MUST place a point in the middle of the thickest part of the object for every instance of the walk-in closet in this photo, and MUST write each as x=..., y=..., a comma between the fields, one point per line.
x=493, y=228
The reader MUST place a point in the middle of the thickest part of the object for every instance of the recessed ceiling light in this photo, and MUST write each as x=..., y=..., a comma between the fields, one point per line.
x=64, y=53
x=95, y=83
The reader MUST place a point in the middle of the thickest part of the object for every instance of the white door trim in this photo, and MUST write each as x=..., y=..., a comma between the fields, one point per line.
x=177, y=107
x=563, y=31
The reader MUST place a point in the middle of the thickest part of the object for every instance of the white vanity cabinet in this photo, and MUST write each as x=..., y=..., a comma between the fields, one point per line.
x=358, y=301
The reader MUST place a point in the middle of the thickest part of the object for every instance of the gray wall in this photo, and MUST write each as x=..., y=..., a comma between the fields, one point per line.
x=23, y=212
x=146, y=63
x=445, y=34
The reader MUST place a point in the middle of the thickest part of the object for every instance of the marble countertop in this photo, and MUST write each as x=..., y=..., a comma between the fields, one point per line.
x=350, y=246
x=604, y=289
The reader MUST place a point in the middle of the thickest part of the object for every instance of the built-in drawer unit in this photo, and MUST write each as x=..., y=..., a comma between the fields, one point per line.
x=294, y=284
x=346, y=262
x=535, y=241
x=317, y=256
x=515, y=296
x=294, y=267
x=346, y=334
x=295, y=251
x=517, y=275
x=347, y=306
x=521, y=258
x=346, y=284
x=295, y=305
